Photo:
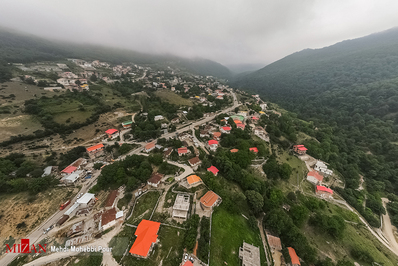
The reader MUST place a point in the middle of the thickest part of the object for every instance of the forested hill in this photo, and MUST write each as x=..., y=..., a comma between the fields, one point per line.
x=350, y=91
x=23, y=48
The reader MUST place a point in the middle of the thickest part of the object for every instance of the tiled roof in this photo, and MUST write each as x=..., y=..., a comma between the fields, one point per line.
x=213, y=169
x=293, y=256
x=324, y=189
x=95, y=147
x=111, y=131
x=146, y=235
x=209, y=199
x=69, y=169
x=192, y=179
x=316, y=175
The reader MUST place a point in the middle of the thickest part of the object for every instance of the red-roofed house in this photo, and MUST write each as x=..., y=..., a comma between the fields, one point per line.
x=112, y=133
x=213, y=169
x=293, y=256
x=300, y=149
x=323, y=191
x=146, y=238
x=183, y=151
x=69, y=170
x=213, y=144
x=241, y=126
x=254, y=149
x=226, y=130
x=314, y=177
x=209, y=200
x=150, y=146
x=95, y=150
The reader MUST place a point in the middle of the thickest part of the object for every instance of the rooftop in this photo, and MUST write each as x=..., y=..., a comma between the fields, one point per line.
x=108, y=216
x=234, y=150
x=111, y=131
x=155, y=178
x=324, y=189
x=209, y=199
x=86, y=198
x=150, y=145
x=111, y=198
x=194, y=160
x=69, y=169
x=316, y=175
x=192, y=179
x=293, y=256
x=250, y=255
x=146, y=233
x=213, y=142
x=213, y=169
x=95, y=147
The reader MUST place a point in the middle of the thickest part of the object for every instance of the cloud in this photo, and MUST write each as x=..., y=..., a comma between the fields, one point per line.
x=230, y=32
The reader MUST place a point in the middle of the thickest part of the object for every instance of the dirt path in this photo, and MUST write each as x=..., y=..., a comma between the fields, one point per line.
x=387, y=228
x=263, y=238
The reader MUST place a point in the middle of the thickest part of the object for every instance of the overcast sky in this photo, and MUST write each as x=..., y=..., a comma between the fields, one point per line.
x=227, y=31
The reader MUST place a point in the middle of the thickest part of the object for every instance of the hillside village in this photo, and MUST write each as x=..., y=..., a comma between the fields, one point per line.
x=160, y=183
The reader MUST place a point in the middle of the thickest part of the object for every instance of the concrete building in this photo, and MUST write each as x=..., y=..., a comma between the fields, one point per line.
x=250, y=255
x=72, y=178
x=181, y=206
x=300, y=149
x=323, y=168
x=86, y=200
x=158, y=117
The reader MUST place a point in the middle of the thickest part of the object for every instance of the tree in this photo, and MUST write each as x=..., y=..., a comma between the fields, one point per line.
x=255, y=200
x=285, y=171
x=93, y=78
x=299, y=214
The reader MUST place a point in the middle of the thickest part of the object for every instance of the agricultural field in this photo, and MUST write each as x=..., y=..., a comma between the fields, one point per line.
x=173, y=98
x=223, y=223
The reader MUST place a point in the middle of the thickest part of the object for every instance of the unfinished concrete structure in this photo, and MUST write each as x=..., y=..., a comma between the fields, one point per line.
x=181, y=206
x=250, y=255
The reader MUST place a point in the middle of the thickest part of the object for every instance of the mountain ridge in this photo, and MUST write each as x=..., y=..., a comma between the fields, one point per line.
x=17, y=47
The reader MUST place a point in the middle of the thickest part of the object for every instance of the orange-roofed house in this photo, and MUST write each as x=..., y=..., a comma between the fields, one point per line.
x=237, y=122
x=209, y=200
x=183, y=151
x=194, y=162
x=234, y=150
x=194, y=181
x=295, y=261
x=314, y=177
x=324, y=192
x=216, y=135
x=213, y=144
x=147, y=234
x=254, y=149
x=112, y=133
x=213, y=169
x=95, y=150
x=149, y=147
x=300, y=149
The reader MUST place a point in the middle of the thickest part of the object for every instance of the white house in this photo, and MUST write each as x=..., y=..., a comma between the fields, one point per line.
x=158, y=117
x=322, y=167
x=85, y=200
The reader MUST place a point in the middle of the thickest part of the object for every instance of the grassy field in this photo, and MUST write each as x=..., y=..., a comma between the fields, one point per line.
x=144, y=207
x=173, y=98
x=229, y=231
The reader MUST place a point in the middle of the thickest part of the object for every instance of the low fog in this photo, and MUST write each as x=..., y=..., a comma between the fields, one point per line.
x=229, y=32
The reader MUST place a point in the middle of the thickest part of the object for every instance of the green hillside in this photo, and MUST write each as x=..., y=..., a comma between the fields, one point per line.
x=350, y=92
x=24, y=48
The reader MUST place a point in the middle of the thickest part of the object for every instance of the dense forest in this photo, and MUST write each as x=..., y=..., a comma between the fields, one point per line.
x=349, y=93
x=24, y=48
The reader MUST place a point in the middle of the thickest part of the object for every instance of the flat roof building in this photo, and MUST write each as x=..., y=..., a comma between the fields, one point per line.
x=181, y=206
x=250, y=255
